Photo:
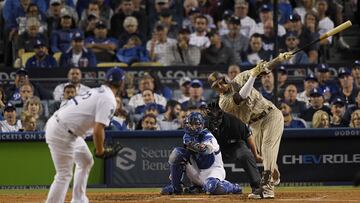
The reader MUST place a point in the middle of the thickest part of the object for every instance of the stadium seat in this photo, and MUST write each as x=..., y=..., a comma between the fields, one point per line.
x=25, y=56
x=57, y=56
x=111, y=64
x=142, y=64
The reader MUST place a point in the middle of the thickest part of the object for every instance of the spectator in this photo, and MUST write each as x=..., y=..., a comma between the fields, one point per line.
x=289, y=120
x=192, y=12
x=168, y=120
x=199, y=38
x=326, y=85
x=33, y=107
x=218, y=53
x=2, y=100
x=181, y=117
x=158, y=44
x=28, y=123
x=105, y=11
x=182, y=53
x=184, y=86
x=292, y=44
x=26, y=92
x=166, y=20
x=312, y=24
x=159, y=6
x=317, y=103
x=347, y=91
x=10, y=124
x=149, y=102
x=61, y=37
x=32, y=12
x=131, y=28
x=266, y=14
x=196, y=95
x=78, y=55
x=320, y=119
x=56, y=9
x=27, y=40
x=303, y=8
x=310, y=83
x=124, y=10
x=90, y=17
x=74, y=78
x=121, y=120
x=146, y=82
x=209, y=7
x=356, y=73
x=41, y=59
x=269, y=37
x=223, y=23
x=338, y=111
x=21, y=78
x=69, y=92
x=234, y=39
x=355, y=119
x=290, y=98
x=282, y=79
x=325, y=24
x=101, y=45
x=132, y=51
x=255, y=52
x=149, y=122
x=351, y=108
x=305, y=37
x=160, y=88
x=233, y=71
x=267, y=86
x=248, y=25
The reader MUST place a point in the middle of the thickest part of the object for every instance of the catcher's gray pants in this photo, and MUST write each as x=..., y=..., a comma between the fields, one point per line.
x=64, y=153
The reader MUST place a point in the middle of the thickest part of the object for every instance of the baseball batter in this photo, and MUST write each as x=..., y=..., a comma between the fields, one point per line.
x=239, y=98
x=65, y=132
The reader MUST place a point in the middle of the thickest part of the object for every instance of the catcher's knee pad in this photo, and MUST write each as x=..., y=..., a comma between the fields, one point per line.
x=213, y=186
x=179, y=156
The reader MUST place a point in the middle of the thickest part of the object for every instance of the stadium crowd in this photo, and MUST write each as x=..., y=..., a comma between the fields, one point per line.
x=76, y=34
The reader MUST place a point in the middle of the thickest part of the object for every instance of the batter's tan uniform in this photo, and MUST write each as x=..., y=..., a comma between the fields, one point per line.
x=266, y=121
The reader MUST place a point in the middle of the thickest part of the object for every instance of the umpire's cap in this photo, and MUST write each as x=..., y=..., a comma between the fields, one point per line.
x=214, y=78
x=115, y=75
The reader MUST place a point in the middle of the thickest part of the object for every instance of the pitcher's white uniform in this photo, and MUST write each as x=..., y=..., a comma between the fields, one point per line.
x=65, y=133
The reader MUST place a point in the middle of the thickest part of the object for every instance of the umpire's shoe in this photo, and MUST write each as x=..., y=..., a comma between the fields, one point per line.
x=170, y=190
x=266, y=190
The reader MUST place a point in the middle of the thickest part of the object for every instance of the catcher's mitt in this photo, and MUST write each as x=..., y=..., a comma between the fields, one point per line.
x=110, y=150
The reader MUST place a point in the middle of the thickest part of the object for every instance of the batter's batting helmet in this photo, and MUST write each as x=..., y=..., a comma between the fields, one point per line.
x=214, y=78
x=115, y=75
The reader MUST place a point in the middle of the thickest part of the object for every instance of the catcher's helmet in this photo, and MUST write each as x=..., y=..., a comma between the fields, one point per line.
x=214, y=78
x=194, y=123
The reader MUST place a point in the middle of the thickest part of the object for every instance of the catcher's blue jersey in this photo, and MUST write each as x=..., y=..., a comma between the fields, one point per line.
x=206, y=159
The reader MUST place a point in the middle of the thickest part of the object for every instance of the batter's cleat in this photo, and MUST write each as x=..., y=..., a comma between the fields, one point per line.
x=266, y=190
x=170, y=190
x=237, y=189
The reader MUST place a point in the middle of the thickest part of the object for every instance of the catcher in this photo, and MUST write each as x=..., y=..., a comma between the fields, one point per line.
x=239, y=98
x=65, y=132
x=201, y=160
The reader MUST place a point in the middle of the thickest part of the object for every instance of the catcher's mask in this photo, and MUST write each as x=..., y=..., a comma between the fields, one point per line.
x=216, y=77
x=194, y=124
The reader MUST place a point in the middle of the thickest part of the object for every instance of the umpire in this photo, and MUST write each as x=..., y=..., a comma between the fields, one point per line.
x=235, y=140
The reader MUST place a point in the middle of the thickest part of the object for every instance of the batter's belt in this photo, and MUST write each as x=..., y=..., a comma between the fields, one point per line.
x=261, y=115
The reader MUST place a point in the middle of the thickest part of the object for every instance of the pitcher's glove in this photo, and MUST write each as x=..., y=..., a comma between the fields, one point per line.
x=110, y=150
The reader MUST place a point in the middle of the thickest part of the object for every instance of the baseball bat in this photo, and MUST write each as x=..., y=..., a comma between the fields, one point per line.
x=329, y=33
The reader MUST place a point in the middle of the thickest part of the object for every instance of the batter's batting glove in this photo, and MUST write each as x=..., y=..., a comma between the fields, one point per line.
x=285, y=56
x=110, y=150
